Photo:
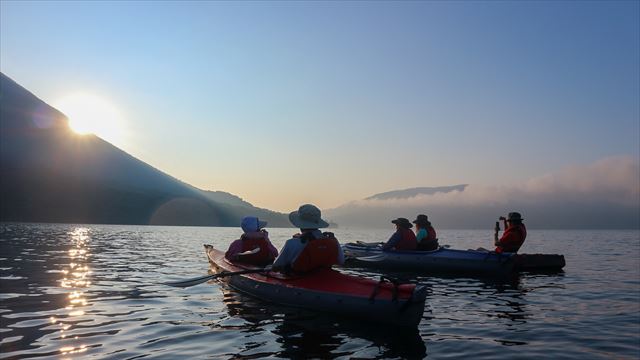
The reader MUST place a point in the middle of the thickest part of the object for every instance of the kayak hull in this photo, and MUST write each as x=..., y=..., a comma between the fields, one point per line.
x=444, y=260
x=441, y=260
x=327, y=290
x=539, y=262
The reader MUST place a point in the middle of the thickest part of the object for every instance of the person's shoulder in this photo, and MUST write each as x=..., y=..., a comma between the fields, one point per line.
x=294, y=240
x=329, y=235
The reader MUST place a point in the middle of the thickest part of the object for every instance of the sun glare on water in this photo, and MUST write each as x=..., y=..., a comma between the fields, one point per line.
x=91, y=114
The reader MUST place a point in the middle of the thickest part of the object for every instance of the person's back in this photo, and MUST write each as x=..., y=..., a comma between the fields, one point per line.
x=254, y=246
x=311, y=249
x=426, y=236
x=427, y=240
x=266, y=252
x=320, y=252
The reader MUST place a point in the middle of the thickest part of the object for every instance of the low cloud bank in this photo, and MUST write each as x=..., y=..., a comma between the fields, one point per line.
x=604, y=194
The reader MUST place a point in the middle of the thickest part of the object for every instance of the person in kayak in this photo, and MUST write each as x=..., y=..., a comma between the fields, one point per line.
x=311, y=248
x=403, y=238
x=254, y=246
x=514, y=234
x=425, y=234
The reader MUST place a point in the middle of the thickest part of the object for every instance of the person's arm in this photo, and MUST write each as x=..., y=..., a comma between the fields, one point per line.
x=393, y=241
x=289, y=253
x=504, y=226
x=284, y=258
x=272, y=250
x=234, y=249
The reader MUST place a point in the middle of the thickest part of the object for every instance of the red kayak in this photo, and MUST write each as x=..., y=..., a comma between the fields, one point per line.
x=328, y=290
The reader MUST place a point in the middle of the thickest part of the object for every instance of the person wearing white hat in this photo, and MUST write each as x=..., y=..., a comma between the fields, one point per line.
x=311, y=249
x=254, y=246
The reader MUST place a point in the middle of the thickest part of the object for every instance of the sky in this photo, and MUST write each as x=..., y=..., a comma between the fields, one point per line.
x=285, y=103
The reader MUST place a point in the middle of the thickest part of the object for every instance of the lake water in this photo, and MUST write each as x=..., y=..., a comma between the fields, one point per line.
x=66, y=293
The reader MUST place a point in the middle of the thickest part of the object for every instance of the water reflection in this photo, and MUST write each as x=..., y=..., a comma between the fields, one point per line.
x=306, y=334
x=77, y=281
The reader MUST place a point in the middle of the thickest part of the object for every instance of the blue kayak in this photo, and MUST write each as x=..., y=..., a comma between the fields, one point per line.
x=445, y=260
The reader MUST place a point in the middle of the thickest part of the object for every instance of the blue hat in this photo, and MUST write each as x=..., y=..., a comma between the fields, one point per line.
x=252, y=224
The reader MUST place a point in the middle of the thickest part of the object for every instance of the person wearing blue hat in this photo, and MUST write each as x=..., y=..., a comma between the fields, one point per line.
x=254, y=246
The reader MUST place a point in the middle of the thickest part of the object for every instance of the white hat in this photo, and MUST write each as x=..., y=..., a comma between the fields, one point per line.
x=308, y=217
x=252, y=224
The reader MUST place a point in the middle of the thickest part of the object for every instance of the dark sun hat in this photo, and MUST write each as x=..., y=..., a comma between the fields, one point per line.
x=514, y=216
x=422, y=219
x=402, y=222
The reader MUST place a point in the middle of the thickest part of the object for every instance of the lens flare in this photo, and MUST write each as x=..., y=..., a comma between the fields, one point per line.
x=91, y=114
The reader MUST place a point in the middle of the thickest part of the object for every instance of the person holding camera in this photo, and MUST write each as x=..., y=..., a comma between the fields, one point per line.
x=514, y=233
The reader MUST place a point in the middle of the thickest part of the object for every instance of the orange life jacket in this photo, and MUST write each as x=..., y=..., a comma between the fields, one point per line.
x=256, y=240
x=408, y=240
x=317, y=253
x=512, y=239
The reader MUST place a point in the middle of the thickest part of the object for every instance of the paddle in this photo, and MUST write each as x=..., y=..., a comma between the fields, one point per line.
x=202, y=279
x=371, y=258
x=375, y=244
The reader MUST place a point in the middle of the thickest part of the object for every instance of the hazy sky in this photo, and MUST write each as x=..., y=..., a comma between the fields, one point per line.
x=284, y=103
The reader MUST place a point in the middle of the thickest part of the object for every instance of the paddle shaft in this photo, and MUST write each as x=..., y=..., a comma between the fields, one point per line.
x=203, y=279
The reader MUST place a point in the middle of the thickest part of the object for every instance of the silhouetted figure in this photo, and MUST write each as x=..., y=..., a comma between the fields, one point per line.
x=514, y=234
x=403, y=238
x=425, y=234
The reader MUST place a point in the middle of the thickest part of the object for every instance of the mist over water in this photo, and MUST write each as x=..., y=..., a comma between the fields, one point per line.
x=67, y=292
x=604, y=194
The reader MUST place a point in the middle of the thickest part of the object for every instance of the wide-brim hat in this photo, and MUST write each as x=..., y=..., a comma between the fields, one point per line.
x=422, y=220
x=514, y=216
x=402, y=222
x=308, y=217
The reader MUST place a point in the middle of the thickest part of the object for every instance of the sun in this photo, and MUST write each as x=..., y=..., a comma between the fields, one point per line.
x=92, y=114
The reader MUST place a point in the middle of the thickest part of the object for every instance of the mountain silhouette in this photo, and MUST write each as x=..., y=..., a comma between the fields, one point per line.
x=50, y=174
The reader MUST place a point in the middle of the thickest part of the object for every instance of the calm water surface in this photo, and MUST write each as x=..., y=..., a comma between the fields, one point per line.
x=66, y=292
